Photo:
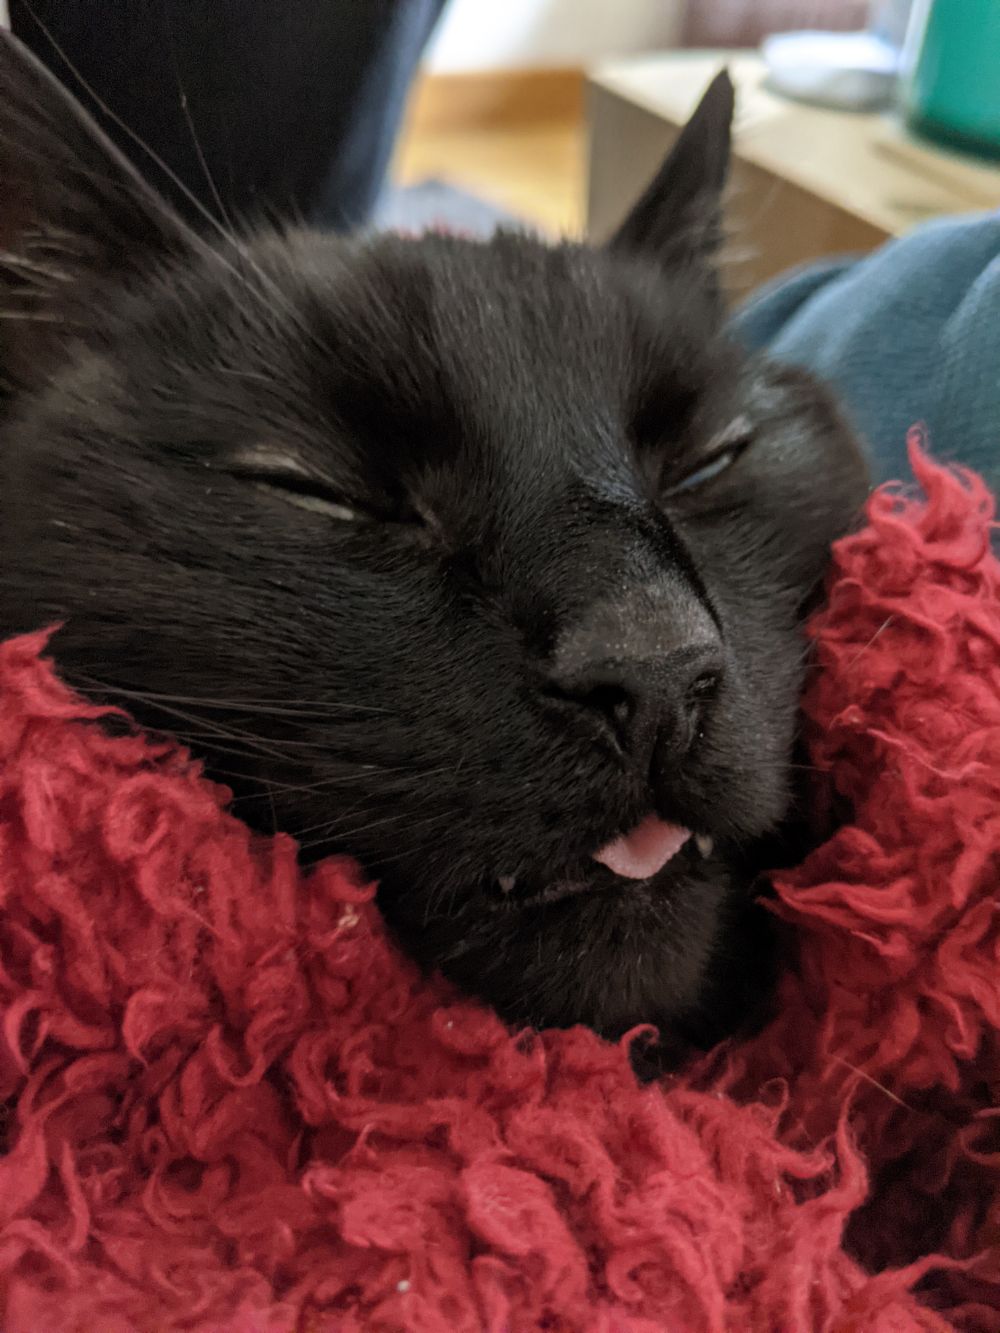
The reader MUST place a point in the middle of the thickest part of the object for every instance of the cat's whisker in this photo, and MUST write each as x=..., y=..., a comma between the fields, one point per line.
x=881, y=630
x=192, y=740
x=214, y=732
x=400, y=816
x=271, y=785
x=270, y=707
x=404, y=816
x=270, y=291
x=338, y=780
x=189, y=120
x=170, y=701
x=206, y=744
x=336, y=831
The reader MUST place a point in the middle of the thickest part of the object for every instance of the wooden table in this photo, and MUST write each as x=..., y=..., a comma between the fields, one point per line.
x=806, y=181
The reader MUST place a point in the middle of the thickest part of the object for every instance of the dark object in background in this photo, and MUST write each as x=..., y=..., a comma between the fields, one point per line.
x=263, y=110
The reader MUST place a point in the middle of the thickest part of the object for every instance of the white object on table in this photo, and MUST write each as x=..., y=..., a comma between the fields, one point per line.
x=850, y=70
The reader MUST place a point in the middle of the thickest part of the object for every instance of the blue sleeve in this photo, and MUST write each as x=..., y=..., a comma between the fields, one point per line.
x=909, y=333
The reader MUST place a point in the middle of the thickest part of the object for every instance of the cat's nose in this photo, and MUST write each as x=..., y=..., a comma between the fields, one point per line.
x=653, y=705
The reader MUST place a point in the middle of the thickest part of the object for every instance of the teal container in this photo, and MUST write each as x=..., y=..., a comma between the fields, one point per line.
x=951, y=73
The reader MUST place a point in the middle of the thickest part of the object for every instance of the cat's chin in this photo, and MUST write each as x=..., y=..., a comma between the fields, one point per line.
x=686, y=951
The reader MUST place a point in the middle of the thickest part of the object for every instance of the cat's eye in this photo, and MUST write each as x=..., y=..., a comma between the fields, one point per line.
x=726, y=448
x=308, y=494
x=287, y=477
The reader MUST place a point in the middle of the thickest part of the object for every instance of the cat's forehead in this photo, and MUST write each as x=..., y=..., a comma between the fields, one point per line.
x=556, y=300
x=446, y=348
x=509, y=319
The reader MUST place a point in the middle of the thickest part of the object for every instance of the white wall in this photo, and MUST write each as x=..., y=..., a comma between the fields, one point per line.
x=511, y=34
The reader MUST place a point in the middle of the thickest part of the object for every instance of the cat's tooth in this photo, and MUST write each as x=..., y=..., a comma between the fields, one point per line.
x=704, y=844
x=507, y=883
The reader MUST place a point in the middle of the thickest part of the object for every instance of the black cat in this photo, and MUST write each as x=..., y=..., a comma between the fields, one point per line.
x=486, y=563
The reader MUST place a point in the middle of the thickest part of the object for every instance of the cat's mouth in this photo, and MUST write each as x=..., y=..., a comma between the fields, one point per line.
x=639, y=854
x=644, y=850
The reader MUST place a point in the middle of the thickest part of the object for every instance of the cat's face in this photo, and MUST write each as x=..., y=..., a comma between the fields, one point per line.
x=475, y=561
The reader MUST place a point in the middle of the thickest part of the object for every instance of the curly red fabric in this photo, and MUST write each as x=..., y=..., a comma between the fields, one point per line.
x=231, y=1105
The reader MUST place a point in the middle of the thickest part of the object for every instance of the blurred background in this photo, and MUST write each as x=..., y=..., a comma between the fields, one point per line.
x=554, y=112
x=500, y=103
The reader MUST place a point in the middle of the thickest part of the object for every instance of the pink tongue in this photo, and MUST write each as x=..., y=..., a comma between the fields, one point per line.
x=645, y=850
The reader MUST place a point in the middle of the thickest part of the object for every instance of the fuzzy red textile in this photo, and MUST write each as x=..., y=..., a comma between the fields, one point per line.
x=231, y=1105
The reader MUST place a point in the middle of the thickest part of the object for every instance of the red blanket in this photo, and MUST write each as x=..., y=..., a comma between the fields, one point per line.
x=231, y=1105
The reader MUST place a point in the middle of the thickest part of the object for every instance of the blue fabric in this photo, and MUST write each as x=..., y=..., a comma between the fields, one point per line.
x=909, y=333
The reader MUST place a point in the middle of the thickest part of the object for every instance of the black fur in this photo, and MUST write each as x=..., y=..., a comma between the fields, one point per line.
x=527, y=640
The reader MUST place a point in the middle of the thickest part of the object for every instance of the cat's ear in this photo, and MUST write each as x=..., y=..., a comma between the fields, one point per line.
x=678, y=216
x=73, y=216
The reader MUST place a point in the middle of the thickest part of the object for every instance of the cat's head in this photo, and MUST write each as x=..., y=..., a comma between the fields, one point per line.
x=478, y=561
